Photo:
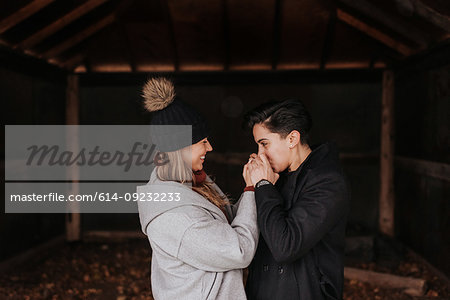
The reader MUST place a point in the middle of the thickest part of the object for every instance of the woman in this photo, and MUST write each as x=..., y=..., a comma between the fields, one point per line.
x=302, y=205
x=199, y=244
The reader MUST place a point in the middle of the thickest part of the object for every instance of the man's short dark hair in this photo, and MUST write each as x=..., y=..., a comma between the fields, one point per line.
x=282, y=117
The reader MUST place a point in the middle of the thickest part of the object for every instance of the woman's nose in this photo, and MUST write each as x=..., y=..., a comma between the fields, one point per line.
x=208, y=147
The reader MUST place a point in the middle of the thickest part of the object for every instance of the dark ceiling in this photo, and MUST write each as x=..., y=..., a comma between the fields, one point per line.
x=217, y=35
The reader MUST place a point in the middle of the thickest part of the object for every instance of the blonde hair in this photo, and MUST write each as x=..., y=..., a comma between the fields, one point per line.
x=176, y=169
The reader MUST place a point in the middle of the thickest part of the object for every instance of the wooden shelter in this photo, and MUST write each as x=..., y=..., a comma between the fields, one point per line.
x=62, y=60
x=89, y=36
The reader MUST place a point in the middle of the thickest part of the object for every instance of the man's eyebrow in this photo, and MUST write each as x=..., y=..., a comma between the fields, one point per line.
x=261, y=140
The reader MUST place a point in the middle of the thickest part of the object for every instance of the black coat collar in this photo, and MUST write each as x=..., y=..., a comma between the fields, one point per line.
x=290, y=183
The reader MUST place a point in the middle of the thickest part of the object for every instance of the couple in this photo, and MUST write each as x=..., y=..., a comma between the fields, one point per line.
x=287, y=227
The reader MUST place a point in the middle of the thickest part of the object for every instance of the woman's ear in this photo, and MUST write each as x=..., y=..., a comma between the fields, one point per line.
x=293, y=138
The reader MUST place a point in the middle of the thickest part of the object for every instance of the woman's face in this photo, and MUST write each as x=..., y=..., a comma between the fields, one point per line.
x=273, y=146
x=197, y=154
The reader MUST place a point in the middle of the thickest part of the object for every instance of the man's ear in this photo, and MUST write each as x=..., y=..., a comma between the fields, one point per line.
x=293, y=138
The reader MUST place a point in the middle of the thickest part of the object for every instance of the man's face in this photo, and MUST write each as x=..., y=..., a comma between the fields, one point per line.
x=273, y=146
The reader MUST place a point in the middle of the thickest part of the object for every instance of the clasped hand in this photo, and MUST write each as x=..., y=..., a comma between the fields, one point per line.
x=258, y=168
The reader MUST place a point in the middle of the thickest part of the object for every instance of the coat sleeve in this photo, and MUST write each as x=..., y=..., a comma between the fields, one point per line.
x=290, y=234
x=233, y=208
x=210, y=244
x=230, y=208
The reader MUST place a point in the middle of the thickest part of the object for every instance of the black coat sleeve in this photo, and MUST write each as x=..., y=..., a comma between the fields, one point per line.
x=291, y=233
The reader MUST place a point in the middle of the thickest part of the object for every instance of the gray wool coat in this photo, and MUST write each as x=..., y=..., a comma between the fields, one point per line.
x=196, y=253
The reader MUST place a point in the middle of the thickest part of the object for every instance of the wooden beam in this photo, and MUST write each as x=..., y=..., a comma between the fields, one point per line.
x=114, y=68
x=72, y=62
x=387, y=200
x=28, y=52
x=329, y=39
x=31, y=66
x=411, y=286
x=22, y=14
x=60, y=23
x=427, y=168
x=407, y=30
x=348, y=65
x=239, y=78
x=4, y=43
x=431, y=15
x=434, y=57
x=424, y=11
x=80, y=69
x=73, y=218
x=276, y=33
x=374, y=33
x=79, y=37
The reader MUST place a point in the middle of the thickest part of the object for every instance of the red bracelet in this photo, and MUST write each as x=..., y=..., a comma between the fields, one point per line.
x=249, y=188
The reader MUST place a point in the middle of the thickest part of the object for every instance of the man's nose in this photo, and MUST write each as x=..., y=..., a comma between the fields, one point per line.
x=260, y=150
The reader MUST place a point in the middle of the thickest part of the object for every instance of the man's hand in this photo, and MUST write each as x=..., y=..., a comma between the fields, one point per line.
x=259, y=168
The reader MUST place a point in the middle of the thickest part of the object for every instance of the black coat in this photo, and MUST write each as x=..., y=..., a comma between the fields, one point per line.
x=302, y=222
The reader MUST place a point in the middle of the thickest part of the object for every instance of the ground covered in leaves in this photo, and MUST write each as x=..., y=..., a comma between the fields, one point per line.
x=437, y=289
x=113, y=271
x=119, y=271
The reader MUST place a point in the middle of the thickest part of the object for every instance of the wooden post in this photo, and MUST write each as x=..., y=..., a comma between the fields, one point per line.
x=387, y=200
x=72, y=118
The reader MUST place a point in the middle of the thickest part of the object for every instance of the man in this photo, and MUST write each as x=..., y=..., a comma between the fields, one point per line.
x=302, y=203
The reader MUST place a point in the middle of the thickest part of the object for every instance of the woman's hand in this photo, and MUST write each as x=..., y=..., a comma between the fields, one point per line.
x=259, y=168
x=246, y=175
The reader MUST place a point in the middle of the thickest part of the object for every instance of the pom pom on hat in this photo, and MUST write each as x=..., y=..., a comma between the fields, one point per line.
x=167, y=109
x=158, y=93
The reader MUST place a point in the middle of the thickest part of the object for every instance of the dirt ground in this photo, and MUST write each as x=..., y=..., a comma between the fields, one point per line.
x=119, y=271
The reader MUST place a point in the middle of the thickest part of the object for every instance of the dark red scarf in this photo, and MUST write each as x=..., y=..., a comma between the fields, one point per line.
x=200, y=176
